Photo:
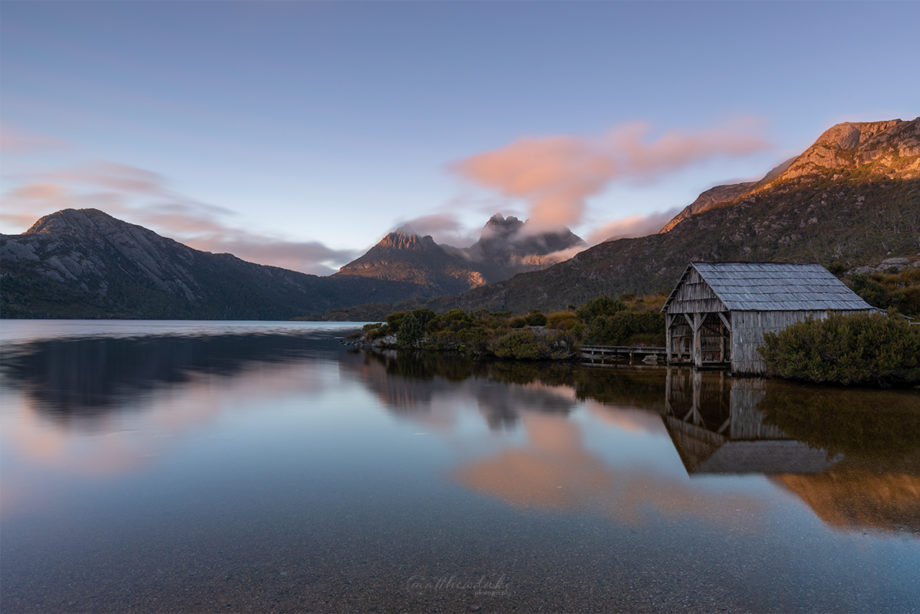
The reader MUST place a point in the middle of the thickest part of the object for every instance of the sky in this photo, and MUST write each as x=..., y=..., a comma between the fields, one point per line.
x=299, y=133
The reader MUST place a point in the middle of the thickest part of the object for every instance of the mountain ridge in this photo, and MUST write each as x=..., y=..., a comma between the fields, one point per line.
x=852, y=206
x=886, y=149
x=86, y=263
x=505, y=247
x=851, y=199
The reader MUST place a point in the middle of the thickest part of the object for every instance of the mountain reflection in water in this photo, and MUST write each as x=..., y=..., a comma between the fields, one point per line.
x=852, y=456
x=272, y=470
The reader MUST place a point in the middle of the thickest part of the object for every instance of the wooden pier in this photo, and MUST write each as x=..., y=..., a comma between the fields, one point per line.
x=612, y=354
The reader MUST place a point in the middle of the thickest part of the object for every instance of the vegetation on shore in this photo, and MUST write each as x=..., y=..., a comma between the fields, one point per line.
x=628, y=320
x=893, y=290
x=858, y=349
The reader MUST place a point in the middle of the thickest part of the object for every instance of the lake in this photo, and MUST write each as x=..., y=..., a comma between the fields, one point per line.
x=257, y=466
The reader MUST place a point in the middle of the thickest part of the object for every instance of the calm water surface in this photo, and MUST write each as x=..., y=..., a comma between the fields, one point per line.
x=223, y=467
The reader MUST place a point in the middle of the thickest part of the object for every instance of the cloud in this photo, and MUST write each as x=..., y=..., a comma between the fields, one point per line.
x=17, y=142
x=556, y=175
x=632, y=226
x=304, y=256
x=444, y=228
x=108, y=175
x=144, y=197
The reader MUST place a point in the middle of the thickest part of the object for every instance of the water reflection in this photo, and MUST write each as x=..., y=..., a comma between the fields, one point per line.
x=876, y=485
x=79, y=379
x=716, y=427
x=852, y=456
x=280, y=472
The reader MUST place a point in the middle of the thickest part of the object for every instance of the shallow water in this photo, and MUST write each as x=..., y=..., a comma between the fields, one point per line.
x=176, y=466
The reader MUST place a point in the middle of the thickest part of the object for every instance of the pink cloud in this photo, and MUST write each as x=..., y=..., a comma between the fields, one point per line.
x=17, y=142
x=632, y=226
x=443, y=228
x=556, y=175
x=305, y=256
x=109, y=175
x=143, y=197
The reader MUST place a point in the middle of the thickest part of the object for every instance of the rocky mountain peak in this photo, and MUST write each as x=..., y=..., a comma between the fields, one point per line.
x=406, y=241
x=886, y=149
x=500, y=226
x=848, y=135
x=74, y=221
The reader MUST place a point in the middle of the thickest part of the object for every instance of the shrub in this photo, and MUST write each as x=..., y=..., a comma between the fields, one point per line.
x=565, y=321
x=600, y=306
x=535, y=318
x=870, y=291
x=846, y=349
x=622, y=327
x=410, y=331
x=375, y=331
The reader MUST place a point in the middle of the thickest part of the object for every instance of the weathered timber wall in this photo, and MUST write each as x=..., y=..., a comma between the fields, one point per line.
x=748, y=328
x=695, y=296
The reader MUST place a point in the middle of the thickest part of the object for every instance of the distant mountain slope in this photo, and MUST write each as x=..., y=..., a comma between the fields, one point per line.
x=723, y=195
x=887, y=149
x=86, y=264
x=505, y=247
x=418, y=260
x=852, y=198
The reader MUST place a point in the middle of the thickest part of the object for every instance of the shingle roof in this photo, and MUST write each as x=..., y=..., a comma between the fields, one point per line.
x=770, y=286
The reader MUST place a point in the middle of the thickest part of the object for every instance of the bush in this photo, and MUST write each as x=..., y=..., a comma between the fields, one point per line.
x=410, y=331
x=565, y=321
x=870, y=291
x=600, y=306
x=623, y=327
x=846, y=349
x=527, y=345
x=520, y=344
x=535, y=318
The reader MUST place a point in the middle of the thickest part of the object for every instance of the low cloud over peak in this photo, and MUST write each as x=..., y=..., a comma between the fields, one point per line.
x=556, y=175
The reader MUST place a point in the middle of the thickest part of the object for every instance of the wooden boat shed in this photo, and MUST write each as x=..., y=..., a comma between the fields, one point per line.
x=718, y=312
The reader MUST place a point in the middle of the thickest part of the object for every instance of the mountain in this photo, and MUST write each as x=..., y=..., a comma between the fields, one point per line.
x=86, y=264
x=723, y=195
x=886, y=149
x=852, y=198
x=506, y=246
x=405, y=257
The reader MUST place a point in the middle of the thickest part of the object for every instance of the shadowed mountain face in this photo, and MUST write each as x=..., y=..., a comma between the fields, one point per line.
x=87, y=264
x=853, y=198
x=505, y=248
x=419, y=260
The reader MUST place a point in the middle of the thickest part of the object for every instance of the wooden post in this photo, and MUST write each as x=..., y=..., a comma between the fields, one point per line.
x=668, y=320
x=726, y=338
x=690, y=321
x=667, y=391
x=697, y=389
x=697, y=342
